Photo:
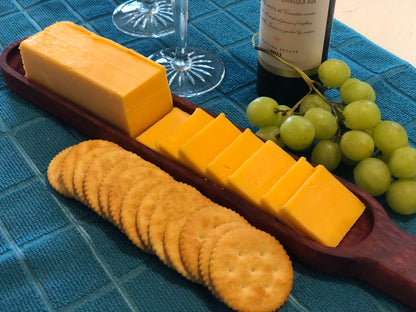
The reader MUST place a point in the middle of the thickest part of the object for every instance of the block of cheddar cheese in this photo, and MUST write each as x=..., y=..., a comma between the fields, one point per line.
x=204, y=146
x=117, y=84
x=232, y=157
x=162, y=128
x=170, y=145
x=260, y=172
x=286, y=186
x=323, y=208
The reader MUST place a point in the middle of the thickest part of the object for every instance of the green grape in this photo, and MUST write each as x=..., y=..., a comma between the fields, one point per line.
x=326, y=153
x=356, y=145
x=389, y=135
x=372, y=175
x=401, y=196
x=261, y=111
x=383, y=156
x=313, y=100
x=349, y=162
x=324, y=122
x=353, y=90
x=361, y=115
x=333, y=73
x=402, y=162
x=297, y=132
x=284, y=112
x=271, y=133
x=369, y=131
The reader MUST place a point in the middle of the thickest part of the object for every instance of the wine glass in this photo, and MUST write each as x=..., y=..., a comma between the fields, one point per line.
x=144, y=18
x=190, y=71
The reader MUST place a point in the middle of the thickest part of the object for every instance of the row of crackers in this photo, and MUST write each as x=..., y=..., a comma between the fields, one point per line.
x=209, y=244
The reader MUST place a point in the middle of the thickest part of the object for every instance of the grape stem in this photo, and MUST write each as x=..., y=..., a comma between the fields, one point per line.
x=312, y=84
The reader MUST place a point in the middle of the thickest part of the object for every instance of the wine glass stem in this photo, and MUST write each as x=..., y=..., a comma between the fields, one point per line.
x=180, y=16
x=149, y=4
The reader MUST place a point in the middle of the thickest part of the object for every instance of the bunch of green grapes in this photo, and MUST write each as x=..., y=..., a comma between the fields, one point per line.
x=351, y=132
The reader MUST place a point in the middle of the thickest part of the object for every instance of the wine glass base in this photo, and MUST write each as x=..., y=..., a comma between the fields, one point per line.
x=201, y=72
x=140, y=19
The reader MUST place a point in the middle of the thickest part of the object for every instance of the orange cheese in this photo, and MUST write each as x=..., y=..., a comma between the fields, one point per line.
x=286, y=186
x=170, y=145
x=232, y=157
x=323, y=208
x=117, y=84
x=204, y=146
x=260, y=172
x=161, y=129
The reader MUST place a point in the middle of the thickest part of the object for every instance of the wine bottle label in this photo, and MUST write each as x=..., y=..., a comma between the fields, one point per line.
x=294, y=30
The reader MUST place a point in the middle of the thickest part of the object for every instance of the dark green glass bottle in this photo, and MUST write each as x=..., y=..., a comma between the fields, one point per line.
x=299, y=31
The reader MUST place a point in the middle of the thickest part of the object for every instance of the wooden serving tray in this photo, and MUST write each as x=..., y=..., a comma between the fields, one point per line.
x=375, y=250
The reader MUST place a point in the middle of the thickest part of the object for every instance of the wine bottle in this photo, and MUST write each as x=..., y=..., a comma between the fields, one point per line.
x=299, y=32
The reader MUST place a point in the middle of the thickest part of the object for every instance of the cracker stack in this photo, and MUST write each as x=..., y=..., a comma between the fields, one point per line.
x=246, y=268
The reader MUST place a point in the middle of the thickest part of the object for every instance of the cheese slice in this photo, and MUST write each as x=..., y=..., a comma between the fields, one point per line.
x=120, y=86
x=232, y=157
x=260, y=172
x=204, y=146
x=170, y=145
x=323, y=208
x=168, y=124
x=286, y=186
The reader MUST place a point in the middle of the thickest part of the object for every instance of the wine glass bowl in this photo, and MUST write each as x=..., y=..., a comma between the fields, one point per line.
x=190, y=71
x=144, y=18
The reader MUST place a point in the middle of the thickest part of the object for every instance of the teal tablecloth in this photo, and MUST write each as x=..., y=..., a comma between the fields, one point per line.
x=56, y=255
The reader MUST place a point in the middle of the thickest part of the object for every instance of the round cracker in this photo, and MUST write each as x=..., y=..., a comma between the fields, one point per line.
x=171, y=246
x=54, y=172
x=95, y=173
x=251, y=271
x=147, y=206
x=80, y=170
x=109, y=179
x=131, y=204
x=208, y=245
x=72, y=157
x=125, y=179
x=196, y=228
x=182, y=200
x=105, y=188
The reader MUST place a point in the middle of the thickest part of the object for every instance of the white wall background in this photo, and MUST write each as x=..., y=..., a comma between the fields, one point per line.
x=389, y=23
